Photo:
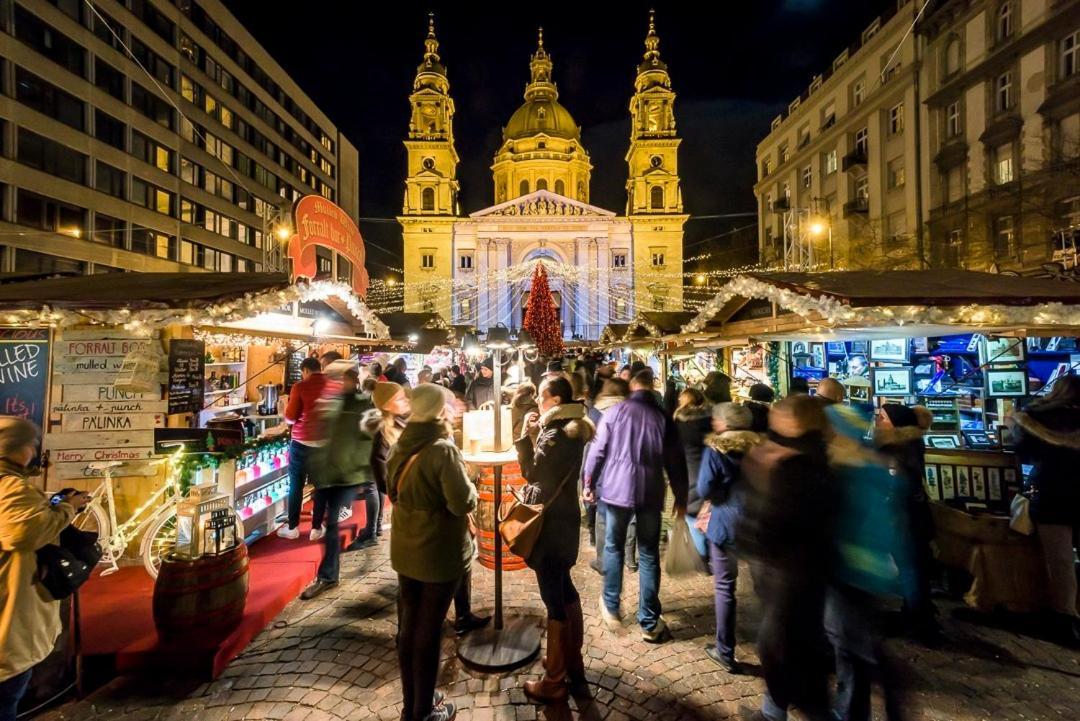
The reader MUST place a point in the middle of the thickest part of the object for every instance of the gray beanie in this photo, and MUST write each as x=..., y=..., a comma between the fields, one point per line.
x=15, y=433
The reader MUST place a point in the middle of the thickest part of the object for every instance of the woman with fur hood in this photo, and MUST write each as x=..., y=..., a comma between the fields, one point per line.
x=552, y=465
x=693, y=419
x=717, y=483
x=1048, y=436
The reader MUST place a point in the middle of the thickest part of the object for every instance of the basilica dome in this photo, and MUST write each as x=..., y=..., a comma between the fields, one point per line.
x=539, y=116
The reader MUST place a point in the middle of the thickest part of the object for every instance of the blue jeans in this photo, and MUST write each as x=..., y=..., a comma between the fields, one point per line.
x=11, y=690
x=648, y=540
x=299, y=454
x=334, y=498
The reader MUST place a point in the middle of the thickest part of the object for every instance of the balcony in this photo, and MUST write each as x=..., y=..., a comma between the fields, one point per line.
x=859, y=205
x=854, y=159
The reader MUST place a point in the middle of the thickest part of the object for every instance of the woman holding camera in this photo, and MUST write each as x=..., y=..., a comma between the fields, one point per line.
x=29, y=617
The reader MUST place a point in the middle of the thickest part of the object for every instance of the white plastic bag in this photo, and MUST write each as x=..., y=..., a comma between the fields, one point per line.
x=1020, y=515
x=681, y=558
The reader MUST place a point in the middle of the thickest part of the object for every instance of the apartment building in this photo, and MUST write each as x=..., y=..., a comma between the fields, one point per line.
x=148, y=135
x=1002, y=85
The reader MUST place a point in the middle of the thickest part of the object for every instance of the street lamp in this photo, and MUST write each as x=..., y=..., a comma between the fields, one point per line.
x=283, y=232
x=391, y=282
x=700, y=279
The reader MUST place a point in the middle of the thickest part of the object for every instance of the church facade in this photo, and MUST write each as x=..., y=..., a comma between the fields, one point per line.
x=603, y=267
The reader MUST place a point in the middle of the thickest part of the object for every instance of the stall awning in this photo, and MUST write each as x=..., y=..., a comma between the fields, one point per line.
x=831, y=306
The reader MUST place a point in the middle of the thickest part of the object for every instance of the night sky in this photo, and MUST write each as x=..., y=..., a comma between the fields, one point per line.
x=734, y=66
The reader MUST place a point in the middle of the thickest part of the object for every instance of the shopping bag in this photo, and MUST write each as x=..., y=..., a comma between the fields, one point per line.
x=1020, y=515
x=682, y=558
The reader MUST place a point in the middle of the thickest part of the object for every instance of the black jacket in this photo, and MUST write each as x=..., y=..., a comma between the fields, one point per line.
x=481, y=391
x=906, y=452
x=1049, y=438
x=554, y=458
x=694, y=424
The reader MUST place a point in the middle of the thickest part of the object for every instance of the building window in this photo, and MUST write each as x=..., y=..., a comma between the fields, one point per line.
x=828, y=116
x=427, y=199
x=807, y=177
x=324, y=262
x=766, y=167
x=150, y=242
x=150, y=151
x=896, y=119
x=658, y=258
x=465, y=261
x=862, y=141
x=27, y=261
x=48, y=42
x=465, y=309
x=953, y=247
x=656, y=198
x=619, y=309
x=523, y=189
x=1005, y=21
x=784, y=155
x=109, y=231
x=110, y=180
x=109, y=79
x=541, y=184
x=862, y=188
x=152, y=106
x=427, y=261
x=560, y=187
x=952, y=57
x=1070, y=55
x=1003, y=92
x=1004, y=236
x=1003, y=164
x=896, y=173
x=952, y=120
x=618, y=260
x=109, y=130
x=152, y=197
x=48, y=214
x=858, y=92
x=658, y=303
x=830, y=162
x=896, y=232
x=804, y=136
x=51, y=157
x=46, y=98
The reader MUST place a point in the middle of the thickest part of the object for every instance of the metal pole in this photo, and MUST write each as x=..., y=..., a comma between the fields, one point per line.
x=497, y=363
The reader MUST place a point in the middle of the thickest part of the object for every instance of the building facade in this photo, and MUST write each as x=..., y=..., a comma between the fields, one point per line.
x=475, y=268
x=147, y=135
x=953, y=141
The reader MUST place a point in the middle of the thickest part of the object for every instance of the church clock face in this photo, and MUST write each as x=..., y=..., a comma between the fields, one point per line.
x=656, y=161
x=429, y=163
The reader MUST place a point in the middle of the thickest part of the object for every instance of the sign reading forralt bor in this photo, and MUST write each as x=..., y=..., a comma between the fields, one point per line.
x=322, y=224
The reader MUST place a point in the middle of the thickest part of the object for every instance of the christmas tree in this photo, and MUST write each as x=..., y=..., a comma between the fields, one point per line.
x=541, y=320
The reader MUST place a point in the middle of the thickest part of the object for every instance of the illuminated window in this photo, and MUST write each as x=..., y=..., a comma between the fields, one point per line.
x=896, y=119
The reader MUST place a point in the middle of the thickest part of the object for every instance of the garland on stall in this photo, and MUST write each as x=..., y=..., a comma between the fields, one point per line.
x=772, y=363
x=831, y=312
x=190, y=464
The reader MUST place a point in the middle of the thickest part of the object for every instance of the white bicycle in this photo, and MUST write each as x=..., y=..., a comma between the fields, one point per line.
x=155, y=520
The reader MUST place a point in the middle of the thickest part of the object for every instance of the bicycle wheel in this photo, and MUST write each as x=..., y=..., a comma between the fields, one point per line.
x=158, y=540
x=93, y=520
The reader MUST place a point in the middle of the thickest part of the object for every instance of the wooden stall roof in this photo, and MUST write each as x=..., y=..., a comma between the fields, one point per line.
x=935, y=287
x=665, y=322
x=613, y=333
x=137, y=291
x=402, y=324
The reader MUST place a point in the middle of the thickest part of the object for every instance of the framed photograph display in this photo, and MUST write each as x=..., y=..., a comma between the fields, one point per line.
x=978, y=482
x=943, y=440
x=836, y=347
x=948, y=488
x=897, y=381
x=895, y=350
x=933, y=486
x=963, y=481
x=859, y=346
x=859, y=394
x=817, y=355
x=993, y=483
x=1009, y=383
x=1001, y=350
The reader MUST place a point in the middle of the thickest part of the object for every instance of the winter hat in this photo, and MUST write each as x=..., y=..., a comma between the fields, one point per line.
x=900, y=416
x=15, y=433
x=735, y=416
x=384, y=393
x=489, y=364
x=428, y=402
x=554, y=366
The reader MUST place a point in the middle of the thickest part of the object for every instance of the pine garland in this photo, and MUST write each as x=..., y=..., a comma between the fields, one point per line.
x=541, y=320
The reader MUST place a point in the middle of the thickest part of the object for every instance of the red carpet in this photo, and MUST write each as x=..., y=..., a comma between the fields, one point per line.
x=117, y=624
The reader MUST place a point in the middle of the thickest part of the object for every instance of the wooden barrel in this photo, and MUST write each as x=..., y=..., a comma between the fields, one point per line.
x=485, y=515
x=201, y=601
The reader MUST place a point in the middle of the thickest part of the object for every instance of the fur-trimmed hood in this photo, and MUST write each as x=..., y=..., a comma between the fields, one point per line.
x=733, y=441
x=602, y=402
x=578, y=425
x=688, y=414
x=1034, y=424
x=371, y=421
x=897, y=436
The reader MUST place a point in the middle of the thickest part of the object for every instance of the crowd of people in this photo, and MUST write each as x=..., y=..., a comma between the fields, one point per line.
x=829, y=516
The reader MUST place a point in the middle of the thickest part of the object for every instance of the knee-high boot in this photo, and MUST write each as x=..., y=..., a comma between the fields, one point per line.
x=575, y=662
x=552, y=687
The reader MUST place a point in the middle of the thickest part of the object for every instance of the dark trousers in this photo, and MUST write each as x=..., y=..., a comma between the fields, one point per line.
x=421, y=610
x=299, y=457
x=851, y=624
x=725, y=571
x=333, y=498
x=463, y=598
x=11, y=690
x=557, y=589
x=370, y=494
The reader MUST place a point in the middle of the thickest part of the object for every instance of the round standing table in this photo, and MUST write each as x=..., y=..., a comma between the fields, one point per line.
x=508, y=643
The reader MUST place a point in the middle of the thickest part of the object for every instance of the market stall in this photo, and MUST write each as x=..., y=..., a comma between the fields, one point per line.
x=970, y=347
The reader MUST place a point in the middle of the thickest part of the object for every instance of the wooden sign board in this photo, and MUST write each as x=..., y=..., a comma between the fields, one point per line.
x=82, y=470
x=95, y=378
x=78, y=439
x=113, y=407
x=106, y=333
x=87, y=455
x=104, y=392
x=88, y=364
x=111, y=421
x=93, y=347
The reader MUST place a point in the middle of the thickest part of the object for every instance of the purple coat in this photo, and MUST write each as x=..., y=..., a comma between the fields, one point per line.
x=635, y=443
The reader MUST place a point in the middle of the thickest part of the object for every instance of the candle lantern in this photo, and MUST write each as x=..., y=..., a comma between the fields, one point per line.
x=193, y=519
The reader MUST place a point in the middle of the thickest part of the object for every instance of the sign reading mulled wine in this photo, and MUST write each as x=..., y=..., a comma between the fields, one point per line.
x=322, y=224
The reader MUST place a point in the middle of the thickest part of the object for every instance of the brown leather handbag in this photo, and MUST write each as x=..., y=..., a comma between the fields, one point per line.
x=520, y=522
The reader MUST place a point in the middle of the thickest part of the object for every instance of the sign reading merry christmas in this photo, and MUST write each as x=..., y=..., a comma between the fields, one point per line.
x=322, y=224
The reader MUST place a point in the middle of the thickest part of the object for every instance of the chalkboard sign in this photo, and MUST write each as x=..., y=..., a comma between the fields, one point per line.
x=24, y=373
x=292, y=368
x=187, y=359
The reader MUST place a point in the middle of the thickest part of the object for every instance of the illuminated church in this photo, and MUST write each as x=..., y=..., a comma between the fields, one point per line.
x=602, y=267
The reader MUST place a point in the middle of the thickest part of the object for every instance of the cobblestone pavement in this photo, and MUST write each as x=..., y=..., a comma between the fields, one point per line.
x=333, y=658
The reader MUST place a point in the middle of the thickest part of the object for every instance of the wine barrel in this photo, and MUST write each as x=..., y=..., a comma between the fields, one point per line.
x=485, y=515
x=201, y=601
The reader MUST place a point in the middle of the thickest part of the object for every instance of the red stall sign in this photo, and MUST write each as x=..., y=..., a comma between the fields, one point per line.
x=322, y=224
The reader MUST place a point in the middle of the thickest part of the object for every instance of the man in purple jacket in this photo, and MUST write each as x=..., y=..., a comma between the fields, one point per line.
x=635, y=443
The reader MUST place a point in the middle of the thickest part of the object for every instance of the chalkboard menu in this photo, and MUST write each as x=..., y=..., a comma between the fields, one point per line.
x=24, y=373
x=187, y=372
x=292, y=368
